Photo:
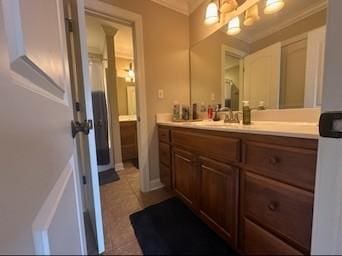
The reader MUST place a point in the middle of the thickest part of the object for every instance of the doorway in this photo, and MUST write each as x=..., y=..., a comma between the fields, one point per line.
x=115, y=201
x=113, y=85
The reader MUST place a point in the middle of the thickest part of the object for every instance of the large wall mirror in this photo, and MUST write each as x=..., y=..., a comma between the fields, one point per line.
x=277, y=62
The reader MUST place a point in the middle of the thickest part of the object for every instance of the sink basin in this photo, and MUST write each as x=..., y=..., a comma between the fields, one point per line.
x=215, y=123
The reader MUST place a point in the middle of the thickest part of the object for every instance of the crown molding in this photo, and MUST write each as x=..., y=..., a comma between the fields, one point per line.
x=194, y=4
x=311, y=10
x=180, y=6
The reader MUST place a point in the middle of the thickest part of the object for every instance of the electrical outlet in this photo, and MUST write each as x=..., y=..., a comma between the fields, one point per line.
x=160, y=94
x=213, y=96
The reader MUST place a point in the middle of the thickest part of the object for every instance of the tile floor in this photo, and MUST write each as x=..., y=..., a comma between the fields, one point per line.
x=119, y=200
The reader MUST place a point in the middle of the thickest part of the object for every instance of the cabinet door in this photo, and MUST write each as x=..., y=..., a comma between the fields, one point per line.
x=165, y=175
x=218, y=201
x=184, y=175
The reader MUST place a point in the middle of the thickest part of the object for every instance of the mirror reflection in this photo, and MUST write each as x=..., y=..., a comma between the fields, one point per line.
x=271, y=66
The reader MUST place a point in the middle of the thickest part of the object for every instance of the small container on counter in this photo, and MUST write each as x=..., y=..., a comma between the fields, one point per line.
x=210, y=112
x=246, y=113
x=176, y=111
x=194, y=112
x=185, y=112
x=261, y=105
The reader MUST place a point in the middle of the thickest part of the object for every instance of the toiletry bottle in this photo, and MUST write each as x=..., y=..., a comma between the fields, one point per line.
x=194, y=112
x=176, y=111
x=185, y=112
x=261, y=105
x=246, y=113
x=216, y=115
x=210, y=112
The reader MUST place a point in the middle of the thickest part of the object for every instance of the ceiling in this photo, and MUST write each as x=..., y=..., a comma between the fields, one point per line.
x=293, y=11
x=96, y=37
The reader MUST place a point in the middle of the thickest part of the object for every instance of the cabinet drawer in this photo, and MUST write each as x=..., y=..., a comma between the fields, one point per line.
x=164, y=135
x=282, y=208
x=165, y=175
x=164, y=154
x=216, y=147
x=260, y=242
x=291, y=165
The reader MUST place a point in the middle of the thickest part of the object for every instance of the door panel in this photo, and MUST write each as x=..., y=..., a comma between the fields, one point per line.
x=315, y=67
x=262, y=77
x=39, y=184
x=184, y=175
x=218, y=196
x=293, y=65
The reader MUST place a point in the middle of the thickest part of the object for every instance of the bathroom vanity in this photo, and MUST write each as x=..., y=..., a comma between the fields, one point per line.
x=254, y=187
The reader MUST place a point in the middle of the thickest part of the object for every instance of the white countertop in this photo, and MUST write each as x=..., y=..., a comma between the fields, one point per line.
x=125, y=118
x=286, y=129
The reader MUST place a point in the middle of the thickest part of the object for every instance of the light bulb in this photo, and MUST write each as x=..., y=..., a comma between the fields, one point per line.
x=273, y=6
x=234, y=26
x=211, y=14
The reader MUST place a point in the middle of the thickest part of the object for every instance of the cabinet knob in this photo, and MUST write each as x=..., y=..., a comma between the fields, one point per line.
x=274, y=160
x=273, y=206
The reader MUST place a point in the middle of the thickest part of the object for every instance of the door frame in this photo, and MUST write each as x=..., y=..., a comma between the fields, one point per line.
x=110, y=12
x=238, y=54
x=327, y=220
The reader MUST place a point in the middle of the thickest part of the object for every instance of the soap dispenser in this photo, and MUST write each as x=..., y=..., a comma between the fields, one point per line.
x=246, y=113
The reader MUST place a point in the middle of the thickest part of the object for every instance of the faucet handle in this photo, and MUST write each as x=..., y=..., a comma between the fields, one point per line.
x=236, y=117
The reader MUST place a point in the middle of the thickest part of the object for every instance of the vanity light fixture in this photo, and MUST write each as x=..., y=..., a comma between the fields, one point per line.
x=228, y=6
x=273, y=6
x=251, y=15
x=234, y=26
x=211, y=14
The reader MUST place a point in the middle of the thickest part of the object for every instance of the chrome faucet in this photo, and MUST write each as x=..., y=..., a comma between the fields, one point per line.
x=229, y=116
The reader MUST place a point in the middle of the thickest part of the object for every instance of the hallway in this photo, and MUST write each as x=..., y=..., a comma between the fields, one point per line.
x=119, y=200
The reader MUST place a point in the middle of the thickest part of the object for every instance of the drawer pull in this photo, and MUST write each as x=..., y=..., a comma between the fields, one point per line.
x=273, y=206
x=274, y=160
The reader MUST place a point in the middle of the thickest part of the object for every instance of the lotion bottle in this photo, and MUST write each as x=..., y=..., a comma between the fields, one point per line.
x=246, y=113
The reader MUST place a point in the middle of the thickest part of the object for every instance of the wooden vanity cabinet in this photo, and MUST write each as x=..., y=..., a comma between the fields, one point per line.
x=255, y=191
x=165, y=162
x=129, y=142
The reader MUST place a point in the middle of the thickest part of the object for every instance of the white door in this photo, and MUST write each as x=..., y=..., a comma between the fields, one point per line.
x=314, y=67
x=262, y=77
x=86, y=143
x=327, y=222
x=40, y=201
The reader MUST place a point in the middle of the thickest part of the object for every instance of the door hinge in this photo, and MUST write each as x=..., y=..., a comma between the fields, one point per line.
x=69, y=25
x=77, y=106
x=84, y=180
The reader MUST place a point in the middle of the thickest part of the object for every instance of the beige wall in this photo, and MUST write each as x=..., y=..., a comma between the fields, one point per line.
x=166, y=42
x=198, y=30
x=206, y=68
x=315, y=21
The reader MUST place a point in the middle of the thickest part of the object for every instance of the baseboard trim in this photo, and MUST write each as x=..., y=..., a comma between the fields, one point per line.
x=155, y=184
x=119, y=167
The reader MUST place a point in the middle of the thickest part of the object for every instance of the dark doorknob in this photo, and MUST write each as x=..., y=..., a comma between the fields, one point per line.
x=84, y=127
